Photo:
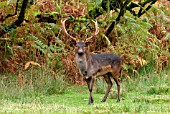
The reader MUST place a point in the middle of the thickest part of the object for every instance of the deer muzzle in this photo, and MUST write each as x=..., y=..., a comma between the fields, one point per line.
x=80, y=51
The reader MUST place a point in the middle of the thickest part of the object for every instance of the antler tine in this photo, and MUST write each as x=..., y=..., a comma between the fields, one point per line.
x=63, y=26
x=96, y=31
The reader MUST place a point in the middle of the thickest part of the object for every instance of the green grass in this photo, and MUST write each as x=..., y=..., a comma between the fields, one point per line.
x=146, y=94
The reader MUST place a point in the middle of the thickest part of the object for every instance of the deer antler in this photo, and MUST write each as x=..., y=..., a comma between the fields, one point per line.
x=63, y=26
x=96, y=32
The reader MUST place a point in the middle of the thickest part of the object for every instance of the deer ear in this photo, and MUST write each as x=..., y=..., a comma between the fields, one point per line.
x=73, y=43
x=87, y=43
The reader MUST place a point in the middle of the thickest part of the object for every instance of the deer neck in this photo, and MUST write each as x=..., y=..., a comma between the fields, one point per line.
x=83, y=63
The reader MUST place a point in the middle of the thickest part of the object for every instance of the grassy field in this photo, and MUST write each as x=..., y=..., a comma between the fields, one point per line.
x=146, y=94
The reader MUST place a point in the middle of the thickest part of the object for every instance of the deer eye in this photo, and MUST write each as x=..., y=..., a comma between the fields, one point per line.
x=76, y=46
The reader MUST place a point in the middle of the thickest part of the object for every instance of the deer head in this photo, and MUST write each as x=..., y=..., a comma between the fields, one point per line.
x=80, y=44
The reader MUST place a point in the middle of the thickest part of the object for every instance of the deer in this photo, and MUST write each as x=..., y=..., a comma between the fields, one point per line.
x=91, y=65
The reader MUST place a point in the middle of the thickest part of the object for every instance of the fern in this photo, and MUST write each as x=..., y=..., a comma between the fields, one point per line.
x=134, y=42
x=49, y=51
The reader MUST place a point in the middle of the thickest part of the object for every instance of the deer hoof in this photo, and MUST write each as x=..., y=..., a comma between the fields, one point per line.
x=118, y=100
x=90, y=103
x=104, y=100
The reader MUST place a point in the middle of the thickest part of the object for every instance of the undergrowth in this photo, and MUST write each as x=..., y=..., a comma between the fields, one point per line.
x=32, y=83
x=148, y=82
x=139, y=41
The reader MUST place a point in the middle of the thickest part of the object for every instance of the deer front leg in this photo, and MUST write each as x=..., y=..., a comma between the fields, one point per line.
x=109, y=83
x=90, y=83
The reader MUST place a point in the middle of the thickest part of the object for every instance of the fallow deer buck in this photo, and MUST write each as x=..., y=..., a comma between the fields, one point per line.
x=93, y=65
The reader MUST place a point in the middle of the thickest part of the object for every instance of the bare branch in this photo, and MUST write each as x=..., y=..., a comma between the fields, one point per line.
x=18, y=21
x=10, y=15
x=141, y=12
x=22, y=13
x=121, y=14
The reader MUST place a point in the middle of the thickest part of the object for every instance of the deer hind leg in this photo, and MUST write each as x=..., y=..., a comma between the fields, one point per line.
x=90, y=83
x=118, y=86
x=109, y=83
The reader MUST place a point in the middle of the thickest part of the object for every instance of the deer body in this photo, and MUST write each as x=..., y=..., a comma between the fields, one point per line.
x=97, y=64
x=92, y=66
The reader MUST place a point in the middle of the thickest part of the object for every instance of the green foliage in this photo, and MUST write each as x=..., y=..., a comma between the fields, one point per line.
x=2, y=3
x=159, y=90
x=100, y=86
x=57, y=86
x=147, y=69
x=150, y=83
